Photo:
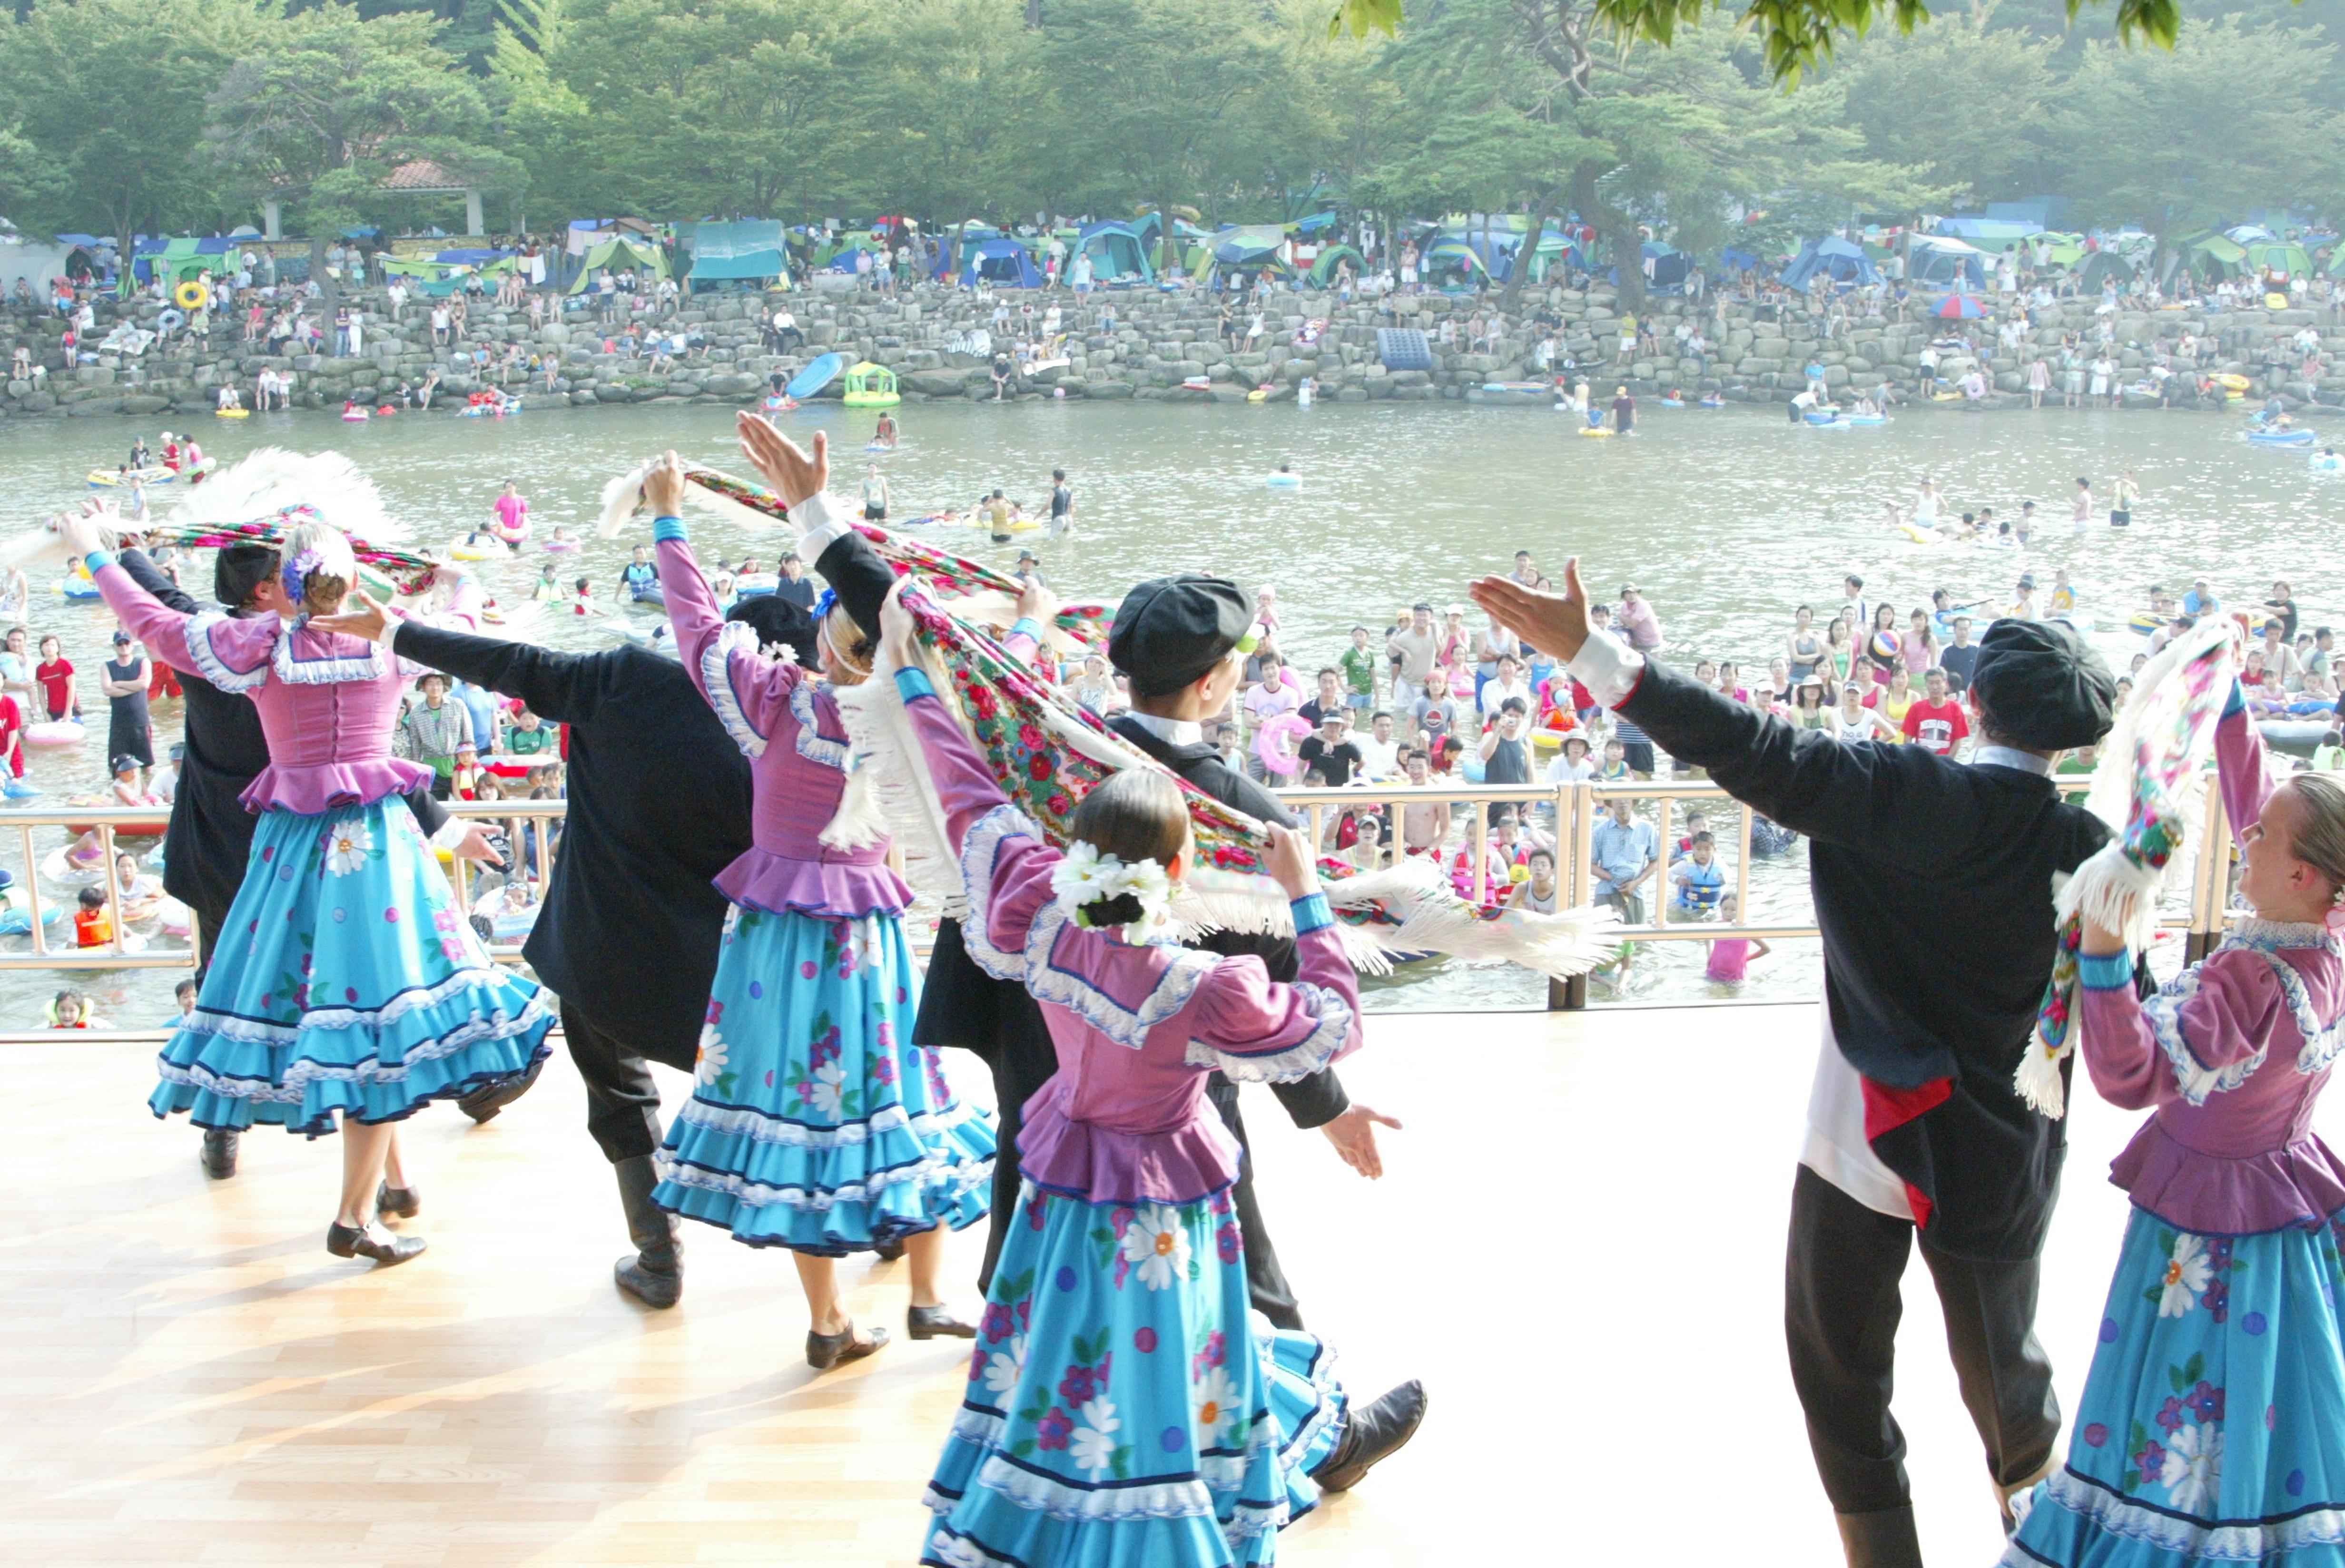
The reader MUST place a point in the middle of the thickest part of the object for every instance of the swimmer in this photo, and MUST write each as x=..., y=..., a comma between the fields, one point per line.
x=549, y=587
x=2064, y=595
x=562, y=535
x=2081, y=517
x=583, y=599
x=1926, y=502
x=885, y=432
x=2026, y=528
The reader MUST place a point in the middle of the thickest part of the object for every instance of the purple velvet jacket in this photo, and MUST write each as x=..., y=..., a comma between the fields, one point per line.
x=1137, y=1027
x=2231, y=1056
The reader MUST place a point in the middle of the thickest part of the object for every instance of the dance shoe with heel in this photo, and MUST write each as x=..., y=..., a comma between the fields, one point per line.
x=482, y=1103
x=219, y=1153
x=825, y=1351
x=654, y=1274
x=936, y=1323
x=397, y=1202
x=344, y=1241
x=1372, y=1435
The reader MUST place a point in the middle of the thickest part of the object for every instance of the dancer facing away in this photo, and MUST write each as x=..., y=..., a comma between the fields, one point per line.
x=1914, y=1123
x=1126, y=1405
x=331, y=996
x=816, y=1122
x=210, y=836
x=2209, y=1427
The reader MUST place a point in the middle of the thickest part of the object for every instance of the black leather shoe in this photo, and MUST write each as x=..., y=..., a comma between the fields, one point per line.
x=653, y=1273
x=1372, y=1435
x=825, y=1351
x=405, y=1202
x=890, y=1250
x=345, y=1242
x=936, y=1323
x=482, y=1103
x=219, y=1153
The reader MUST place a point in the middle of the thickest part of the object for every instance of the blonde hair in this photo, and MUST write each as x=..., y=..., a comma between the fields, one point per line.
x=2318, y=840
x=850, y=647
x=330, y=576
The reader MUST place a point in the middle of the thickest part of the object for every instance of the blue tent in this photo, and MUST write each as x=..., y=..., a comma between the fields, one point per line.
x=1119, y=253
x=1316, y=222
x=1004, y=263
x=1834, y=257
x=750, y=249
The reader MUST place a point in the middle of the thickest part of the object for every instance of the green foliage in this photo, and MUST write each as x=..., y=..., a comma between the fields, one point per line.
x=1803, y=35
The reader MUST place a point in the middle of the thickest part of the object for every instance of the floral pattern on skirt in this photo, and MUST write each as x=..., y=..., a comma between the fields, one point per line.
x=345, y=981
x=2212, y=1428
x=1125, y=1405
x=814, y=1123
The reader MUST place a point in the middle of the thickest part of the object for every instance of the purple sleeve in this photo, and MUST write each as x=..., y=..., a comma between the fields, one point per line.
x=749, y=689
x=1257, y=1031
x=2240, y=764
x=230, y=655
x=2202, y=1035
x=1005, y=864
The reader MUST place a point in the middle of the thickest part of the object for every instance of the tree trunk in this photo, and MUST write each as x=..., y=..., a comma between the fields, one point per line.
x=1620, y=236
x=330, y=298
x=1033, y=15
x=1527, y=256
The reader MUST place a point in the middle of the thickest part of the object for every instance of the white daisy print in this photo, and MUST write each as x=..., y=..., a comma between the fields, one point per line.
x=1217, y=1406
x=347, y=848
x=1003, y=1373
x=829, y=1086
x=2194, y=1467
x=1093, y=1447
x=2186, y=1273
x=1157, y=1247
x=710, y=1064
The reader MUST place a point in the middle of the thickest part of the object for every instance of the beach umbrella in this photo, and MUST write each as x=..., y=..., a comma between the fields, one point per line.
x=1962, y=307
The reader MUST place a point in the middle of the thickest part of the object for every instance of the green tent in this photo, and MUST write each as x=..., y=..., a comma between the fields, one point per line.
x=2213, y=248
x=1323, y=271
x=620, y=251
x=2284, y=254
x=751, y=249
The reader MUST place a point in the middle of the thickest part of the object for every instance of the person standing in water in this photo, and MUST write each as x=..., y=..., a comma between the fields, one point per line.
x=1624, y=411
x=875, y=496
x=2081, y=518
x=2121, y=500
x=512, y=514
x=1062, y=505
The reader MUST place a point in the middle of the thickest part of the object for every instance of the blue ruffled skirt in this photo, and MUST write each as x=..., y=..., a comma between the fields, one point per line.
x=2212, y=1428
x=1125, y=1405
x=347, y=981
x=814, y=1123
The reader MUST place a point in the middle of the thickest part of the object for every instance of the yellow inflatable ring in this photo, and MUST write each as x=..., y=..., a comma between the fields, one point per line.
x=2231, y=382
x=192, y=294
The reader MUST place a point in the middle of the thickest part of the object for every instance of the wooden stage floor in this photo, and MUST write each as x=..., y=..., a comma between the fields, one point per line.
x=1577, y=1244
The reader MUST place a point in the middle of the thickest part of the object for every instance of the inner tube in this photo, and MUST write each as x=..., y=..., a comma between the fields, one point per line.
x=491, y=550
x=2231, y=382
x=56, y=733
x=355, y=416
x=2143, y=621
x=1864, y=419
x=561, y=546
x=2281, y=437
x=1270, y=747
x=169, y=318
x=78, y=588
x=1918, y=535
x=192, y=294
x=2328, y=462
x=1594, y=431
x=232, y=413
x=1284, y=480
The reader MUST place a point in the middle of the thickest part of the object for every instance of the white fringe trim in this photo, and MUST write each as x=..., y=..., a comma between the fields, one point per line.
x=211, y=666
x=255, y=1032
x=1299, y=1060
x=1127, y=1027
x=897, y=787
x=330, y=672
x=1108, y=1505
x=812, y=744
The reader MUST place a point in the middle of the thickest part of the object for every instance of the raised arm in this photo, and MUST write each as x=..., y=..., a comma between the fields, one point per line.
x=148, y=576
x=2240, y=764
x=233, y=655
x=563, y=687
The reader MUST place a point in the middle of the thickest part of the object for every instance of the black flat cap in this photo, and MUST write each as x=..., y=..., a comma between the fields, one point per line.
x=778, y=623
x=2045, y=687
x=1170, y=631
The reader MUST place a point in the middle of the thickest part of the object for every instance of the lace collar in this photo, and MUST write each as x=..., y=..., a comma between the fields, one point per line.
x=2271, y=936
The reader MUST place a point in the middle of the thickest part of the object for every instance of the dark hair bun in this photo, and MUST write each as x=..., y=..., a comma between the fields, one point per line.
x=1120, y=910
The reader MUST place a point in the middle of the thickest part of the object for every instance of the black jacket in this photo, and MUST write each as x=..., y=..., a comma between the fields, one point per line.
x=658, y=804
x=1932, y=887
x=211, y=831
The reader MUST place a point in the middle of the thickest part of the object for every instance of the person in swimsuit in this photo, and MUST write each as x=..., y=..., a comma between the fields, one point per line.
x=875, y=496
x=1804, y=649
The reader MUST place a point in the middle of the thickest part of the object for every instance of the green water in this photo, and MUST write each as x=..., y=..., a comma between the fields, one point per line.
x=1727, y=519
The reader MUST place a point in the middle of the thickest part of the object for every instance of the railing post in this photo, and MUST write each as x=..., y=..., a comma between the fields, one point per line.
x=1577, y=827
x=2210, y=881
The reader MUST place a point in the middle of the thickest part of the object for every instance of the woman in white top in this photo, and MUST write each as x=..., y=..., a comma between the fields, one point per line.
x=1853, y=722
x=1925, y=506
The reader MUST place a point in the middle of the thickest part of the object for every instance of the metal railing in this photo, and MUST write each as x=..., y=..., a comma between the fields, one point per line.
x=1570, y=811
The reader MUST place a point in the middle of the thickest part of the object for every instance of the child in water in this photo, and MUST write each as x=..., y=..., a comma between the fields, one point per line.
x=582, y=600
x=549, y=587
x=1729, y=957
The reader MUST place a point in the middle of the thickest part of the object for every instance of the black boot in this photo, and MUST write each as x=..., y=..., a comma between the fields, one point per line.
x=385, y=1249
x=1882, y=1540
x=219, y=1153
x=482, y=1103
x=654, y=1274
x=1375, y=1433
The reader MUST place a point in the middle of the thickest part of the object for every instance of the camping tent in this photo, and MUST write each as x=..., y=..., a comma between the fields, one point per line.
x=1004, y=263
x=1118, y=253
x=1945, y=263
x=1834, y=257
x=2101, y=266
x=620, y=251
x=2212, y=255
x=1248, y=245
x=1323, y=271
x=1665, y=266
x=751, y=249
x=2285, y=255
x=1998, y=236
x=38, y=266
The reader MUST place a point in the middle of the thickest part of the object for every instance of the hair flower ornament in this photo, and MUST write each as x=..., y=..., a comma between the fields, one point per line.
x=297, y=572
x=1086, y=879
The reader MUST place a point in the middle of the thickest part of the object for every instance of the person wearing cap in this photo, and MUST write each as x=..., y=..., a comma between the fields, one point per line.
x=129, y=731
x=1413, y=649
x=1915, y=1126
x=1180, y=641
x=223, y=750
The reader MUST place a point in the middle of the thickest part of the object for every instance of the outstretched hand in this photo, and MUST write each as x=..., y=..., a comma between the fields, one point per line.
x=367, y=621
x=897, y=627
x=1554, y=624
x=794, y=473
x=664, y=485
x=1354, y=1134
x=83, y=531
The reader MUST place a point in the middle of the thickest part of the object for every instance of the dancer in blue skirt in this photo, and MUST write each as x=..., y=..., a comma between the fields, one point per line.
x=1125, y=1405
x=2212, y=1428
x=347, y=983
x=814, y=1123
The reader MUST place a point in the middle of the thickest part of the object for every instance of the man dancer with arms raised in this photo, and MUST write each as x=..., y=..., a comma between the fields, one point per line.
x=1914, y=1123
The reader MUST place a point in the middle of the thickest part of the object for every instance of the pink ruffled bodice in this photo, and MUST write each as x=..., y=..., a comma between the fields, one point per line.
x=788, y=724
x=328, y=703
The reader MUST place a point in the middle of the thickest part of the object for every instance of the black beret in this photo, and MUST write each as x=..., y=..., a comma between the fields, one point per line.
x=778, y=623
x=2043, y=685
x=1170, y=631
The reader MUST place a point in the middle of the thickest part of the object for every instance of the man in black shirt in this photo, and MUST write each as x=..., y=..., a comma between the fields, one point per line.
x=1915, y=1124
x=795, y=586
x=1959, y=658
x=1328, y=758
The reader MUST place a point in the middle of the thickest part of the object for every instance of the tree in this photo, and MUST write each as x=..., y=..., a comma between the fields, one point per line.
x=972, y=102
x=1966, y=106
x=111, y=95
x=1801, y=36
x=325, y=105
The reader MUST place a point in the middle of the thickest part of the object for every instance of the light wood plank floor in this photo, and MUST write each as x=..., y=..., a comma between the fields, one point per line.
x=1577, y=1244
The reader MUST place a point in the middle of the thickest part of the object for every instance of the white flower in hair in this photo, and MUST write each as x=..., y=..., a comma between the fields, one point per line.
x=1085, y=874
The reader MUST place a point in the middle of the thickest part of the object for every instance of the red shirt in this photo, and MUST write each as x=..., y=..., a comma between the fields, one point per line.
x=55, y=677
x=12, y=725
x=1939, y=726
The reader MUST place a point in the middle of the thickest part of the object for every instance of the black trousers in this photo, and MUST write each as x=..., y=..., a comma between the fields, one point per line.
x=1840, y=1308
x=623, y=1103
